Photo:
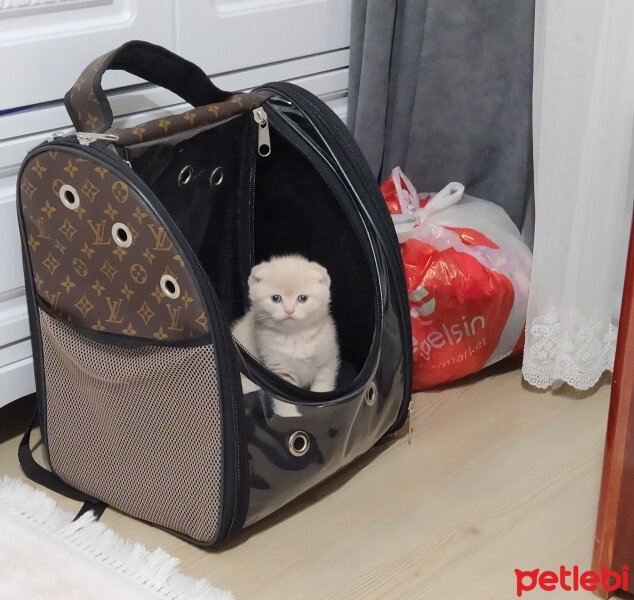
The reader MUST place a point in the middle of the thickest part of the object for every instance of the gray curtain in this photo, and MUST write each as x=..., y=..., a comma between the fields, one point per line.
x=442, y=88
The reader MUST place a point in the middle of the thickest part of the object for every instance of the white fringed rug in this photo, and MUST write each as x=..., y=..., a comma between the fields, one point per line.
x=44, y=554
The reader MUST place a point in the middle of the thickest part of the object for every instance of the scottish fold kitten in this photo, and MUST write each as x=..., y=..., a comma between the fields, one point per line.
x=288, y=326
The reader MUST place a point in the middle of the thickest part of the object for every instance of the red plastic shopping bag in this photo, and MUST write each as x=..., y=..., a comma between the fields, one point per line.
x=467, y=273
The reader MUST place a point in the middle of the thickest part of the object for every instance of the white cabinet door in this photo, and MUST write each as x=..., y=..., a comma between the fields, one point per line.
x=45, y=44
x=226, y=35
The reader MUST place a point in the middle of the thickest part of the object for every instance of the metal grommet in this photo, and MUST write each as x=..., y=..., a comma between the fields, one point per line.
x=370, y=395
x=170, y=287
x=186, y=174
x=298, y=443
x=69, y=196
x=217, y=175
x=122, y=235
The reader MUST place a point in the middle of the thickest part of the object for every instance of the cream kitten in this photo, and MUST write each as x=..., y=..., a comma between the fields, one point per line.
x=289, y=327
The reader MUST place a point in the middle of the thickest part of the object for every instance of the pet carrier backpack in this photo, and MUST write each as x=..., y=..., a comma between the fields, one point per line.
x=138, y=242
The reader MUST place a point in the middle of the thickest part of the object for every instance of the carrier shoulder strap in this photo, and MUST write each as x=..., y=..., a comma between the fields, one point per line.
x=37, y=473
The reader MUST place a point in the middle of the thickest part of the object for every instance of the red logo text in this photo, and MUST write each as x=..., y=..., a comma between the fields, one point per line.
x=572, y=580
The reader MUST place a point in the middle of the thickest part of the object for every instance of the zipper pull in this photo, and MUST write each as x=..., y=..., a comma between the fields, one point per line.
x=55, y=134
x=410, y=411
x=264, y=137
x=86, y=138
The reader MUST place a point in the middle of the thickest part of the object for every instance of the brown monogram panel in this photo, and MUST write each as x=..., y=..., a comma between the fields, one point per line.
x=82, y=275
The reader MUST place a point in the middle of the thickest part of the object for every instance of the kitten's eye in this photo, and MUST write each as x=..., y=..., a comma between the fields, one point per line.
x=302, y=298
x=276, y=298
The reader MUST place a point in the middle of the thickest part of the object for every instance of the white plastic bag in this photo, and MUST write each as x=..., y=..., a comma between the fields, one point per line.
x=465, y=314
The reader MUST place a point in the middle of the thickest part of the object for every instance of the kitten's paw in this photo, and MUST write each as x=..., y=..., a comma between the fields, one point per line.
x=321, y=387
x=285, y=409
x=290, y=378
x=247, y=385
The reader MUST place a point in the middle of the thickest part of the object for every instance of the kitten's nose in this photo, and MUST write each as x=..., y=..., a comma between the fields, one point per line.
x=289, y=311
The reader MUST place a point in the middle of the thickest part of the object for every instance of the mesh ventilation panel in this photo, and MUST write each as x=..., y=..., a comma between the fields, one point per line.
x=139, y=428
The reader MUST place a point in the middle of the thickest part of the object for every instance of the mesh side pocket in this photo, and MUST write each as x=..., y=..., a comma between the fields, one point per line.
x=139, y=428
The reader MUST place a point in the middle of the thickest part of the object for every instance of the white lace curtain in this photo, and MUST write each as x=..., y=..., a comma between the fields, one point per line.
x=584, y=184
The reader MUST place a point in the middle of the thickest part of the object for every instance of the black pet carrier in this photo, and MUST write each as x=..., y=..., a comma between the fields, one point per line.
x=138, y=243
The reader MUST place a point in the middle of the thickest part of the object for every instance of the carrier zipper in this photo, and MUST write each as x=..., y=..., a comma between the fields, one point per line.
x=277, y=384
x=296, y=95
x=264, y=135
x=300, y=98
x=116, y=161
x=264, y=149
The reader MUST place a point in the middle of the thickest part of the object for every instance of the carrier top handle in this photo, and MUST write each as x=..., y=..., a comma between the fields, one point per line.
x=91, y=113
x=88, y=106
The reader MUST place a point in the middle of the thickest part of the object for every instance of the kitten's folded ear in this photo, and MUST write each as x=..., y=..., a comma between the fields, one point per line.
x=324, y=278
x=257, y=273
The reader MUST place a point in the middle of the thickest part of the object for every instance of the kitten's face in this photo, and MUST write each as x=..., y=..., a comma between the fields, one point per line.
x=289, y=292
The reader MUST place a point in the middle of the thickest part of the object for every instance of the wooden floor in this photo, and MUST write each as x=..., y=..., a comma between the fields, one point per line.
x=496, y=477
